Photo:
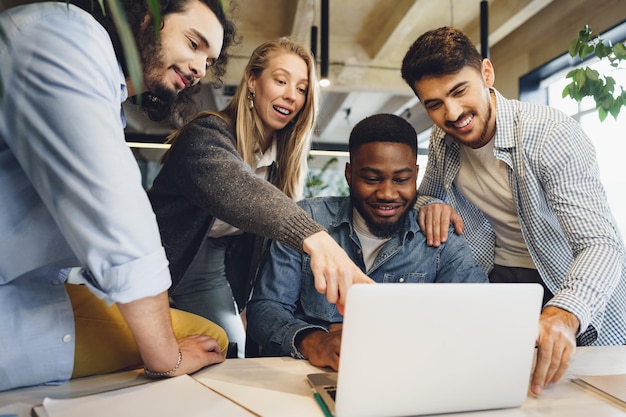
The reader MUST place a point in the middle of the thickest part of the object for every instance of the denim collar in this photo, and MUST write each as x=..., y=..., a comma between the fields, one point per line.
x=344, y=216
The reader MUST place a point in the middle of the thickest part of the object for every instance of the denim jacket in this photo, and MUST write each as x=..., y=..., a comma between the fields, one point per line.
x=285, y=301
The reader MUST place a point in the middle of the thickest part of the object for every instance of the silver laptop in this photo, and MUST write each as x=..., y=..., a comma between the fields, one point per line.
x=415, y=349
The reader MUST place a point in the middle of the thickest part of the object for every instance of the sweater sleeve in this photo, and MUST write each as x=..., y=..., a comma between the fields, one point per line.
x=203, y=166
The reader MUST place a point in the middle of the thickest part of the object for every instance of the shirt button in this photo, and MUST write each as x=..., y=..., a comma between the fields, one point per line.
x=67, y=338
x=401, y=279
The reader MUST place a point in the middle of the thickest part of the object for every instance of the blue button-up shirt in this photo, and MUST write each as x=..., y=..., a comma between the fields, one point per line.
x=286, y=302
x=70, y=189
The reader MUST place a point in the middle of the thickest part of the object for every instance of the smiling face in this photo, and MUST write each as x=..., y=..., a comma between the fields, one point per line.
x=280, y=90
x=382, y=178
x=461, y=103
x=189, y=42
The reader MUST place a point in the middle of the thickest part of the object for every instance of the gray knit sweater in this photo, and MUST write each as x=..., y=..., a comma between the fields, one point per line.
x=204, y=177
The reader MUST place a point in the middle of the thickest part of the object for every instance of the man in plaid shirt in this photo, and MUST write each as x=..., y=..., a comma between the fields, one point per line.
x=523, y=178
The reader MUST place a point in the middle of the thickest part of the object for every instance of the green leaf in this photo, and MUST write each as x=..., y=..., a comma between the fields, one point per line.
x=314, y=182
x=620, y=51
x=573, y=47
x=591, y=74
x=609, y=86
x=586, y=50
x=329, y=163
x=571, y=73
x=583, y=35
x=566, y=91
x=605, y=102
x=603, y=50
x=155, y=11
x=615, y=109
x=580, y=78
x=131, y=53
x=602, y=114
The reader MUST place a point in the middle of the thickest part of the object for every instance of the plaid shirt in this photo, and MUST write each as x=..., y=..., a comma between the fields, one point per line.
x=562, y=208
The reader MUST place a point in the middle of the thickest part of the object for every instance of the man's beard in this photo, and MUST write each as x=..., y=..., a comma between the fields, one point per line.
x=384, y=229
x=152, y=60
x=481, y=139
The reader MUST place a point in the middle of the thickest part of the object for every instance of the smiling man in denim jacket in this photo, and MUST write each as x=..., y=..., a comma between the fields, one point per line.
x=376, y=226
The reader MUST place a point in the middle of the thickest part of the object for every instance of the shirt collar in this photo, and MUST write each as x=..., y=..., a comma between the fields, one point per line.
x=344, y=215
x=506, y=122
x=268, y=157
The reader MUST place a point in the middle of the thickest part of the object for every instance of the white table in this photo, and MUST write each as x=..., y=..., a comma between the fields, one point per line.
x=276, y=387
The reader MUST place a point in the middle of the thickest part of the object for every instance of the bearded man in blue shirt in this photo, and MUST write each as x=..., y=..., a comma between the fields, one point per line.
x=376, y=226
x=72, y=194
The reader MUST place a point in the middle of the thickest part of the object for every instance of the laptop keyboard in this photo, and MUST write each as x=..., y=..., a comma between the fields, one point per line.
x=332, y=391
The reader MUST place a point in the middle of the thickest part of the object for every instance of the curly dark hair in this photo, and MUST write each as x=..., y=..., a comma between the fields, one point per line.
x=439, y=52
x=136, y=11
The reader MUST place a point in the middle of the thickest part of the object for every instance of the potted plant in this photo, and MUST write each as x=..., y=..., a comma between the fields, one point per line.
x=587, y=82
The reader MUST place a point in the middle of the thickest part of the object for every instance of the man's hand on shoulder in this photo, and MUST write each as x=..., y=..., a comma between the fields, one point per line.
x=434, y=220
x=321, y=348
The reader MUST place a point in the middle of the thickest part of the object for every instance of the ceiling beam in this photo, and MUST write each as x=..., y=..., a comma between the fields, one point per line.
x=504, y=17
x=303, y=19
x=384, y=24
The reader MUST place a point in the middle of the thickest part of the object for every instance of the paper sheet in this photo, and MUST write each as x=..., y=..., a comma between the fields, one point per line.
x=179, y=396
x=276, y=388
x=613, y=386
x=598, y=360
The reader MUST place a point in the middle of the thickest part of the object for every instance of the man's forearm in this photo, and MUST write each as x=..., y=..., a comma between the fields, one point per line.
x=150, y=322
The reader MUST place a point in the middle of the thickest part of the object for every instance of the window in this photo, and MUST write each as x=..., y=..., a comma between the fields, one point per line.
x=546, y=85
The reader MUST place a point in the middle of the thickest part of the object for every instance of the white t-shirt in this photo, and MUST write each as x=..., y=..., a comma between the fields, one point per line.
x=370, y=244
x=483, y=180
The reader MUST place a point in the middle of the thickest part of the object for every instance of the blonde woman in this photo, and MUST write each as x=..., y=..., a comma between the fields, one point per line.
x=241, y=170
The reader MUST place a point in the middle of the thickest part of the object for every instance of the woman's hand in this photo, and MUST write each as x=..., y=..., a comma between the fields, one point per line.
x=333, y=270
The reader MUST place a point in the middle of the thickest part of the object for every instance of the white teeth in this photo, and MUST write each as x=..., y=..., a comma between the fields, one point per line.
x=464, y=123
x=281, y=110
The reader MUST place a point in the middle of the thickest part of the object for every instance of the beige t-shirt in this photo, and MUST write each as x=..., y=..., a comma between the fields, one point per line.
x=484, y=181
x=370, y=244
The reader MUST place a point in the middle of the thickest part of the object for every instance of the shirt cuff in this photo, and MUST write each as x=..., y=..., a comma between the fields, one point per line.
x=297, y=228
x=141, y=278
x=295, y=353
x=574, y=306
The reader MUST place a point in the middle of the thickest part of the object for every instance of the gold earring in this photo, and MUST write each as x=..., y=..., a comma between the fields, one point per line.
x=251, y=99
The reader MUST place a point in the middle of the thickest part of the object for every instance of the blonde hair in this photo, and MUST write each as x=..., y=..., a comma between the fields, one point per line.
x=294, y=140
